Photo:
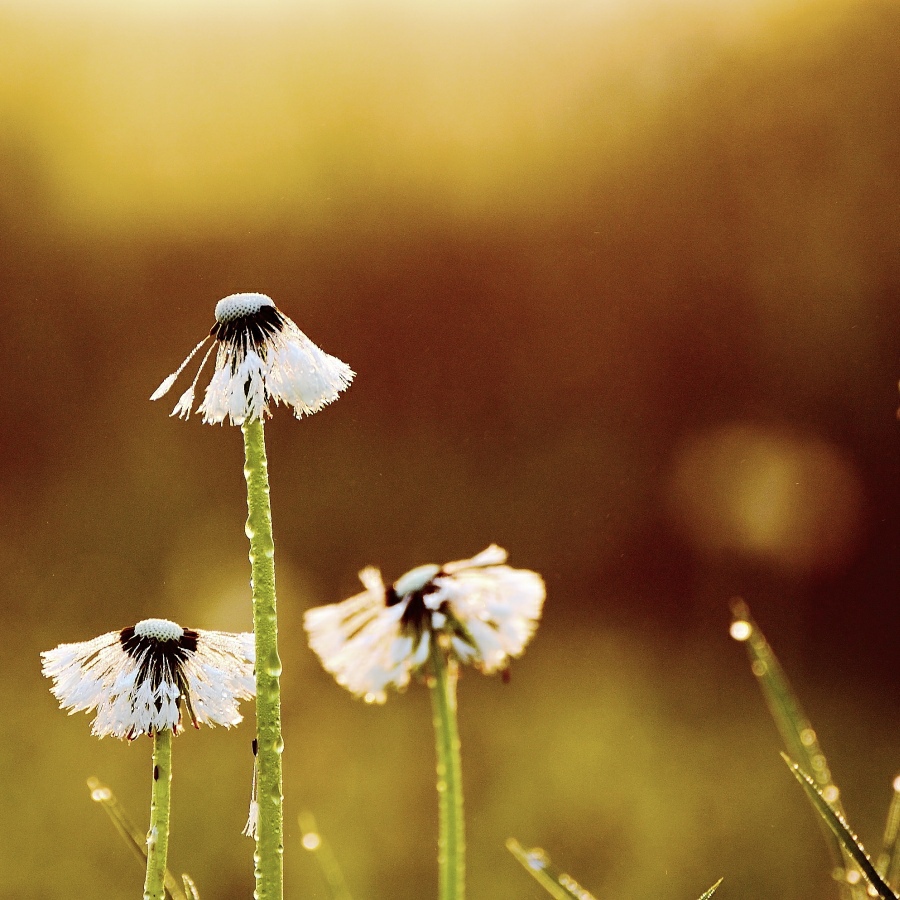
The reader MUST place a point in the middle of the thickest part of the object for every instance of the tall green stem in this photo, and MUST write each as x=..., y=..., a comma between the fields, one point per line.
x=270, y=835
x=451, y=834
x=158, y=837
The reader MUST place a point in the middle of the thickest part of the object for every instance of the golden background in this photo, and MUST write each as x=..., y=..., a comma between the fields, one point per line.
x=620, y=282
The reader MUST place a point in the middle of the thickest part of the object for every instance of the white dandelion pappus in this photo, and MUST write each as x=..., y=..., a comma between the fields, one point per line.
x=481, y=611
x=262, y=355
x=138, y=679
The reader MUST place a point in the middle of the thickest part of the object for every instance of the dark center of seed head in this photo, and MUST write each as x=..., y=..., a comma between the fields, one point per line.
x=250, y=330
x=159, y=659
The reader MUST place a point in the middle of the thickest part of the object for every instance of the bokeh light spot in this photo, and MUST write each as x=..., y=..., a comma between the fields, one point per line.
x=789, y=499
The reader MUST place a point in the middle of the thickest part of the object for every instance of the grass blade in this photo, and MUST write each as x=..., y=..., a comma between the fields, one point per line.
x=103, y=795
x=538, y=865
x=888, y=864
x=710, y=891
x=837, y=823
x=795, y=729
x=313, y=841
x=558, y=884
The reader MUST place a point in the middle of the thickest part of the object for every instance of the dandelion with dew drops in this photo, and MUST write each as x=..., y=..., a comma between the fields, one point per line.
x=478, y=611
x=140, y=680
x=262, y=357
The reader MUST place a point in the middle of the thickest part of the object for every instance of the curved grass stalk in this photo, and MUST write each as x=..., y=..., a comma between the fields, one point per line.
x=838, y=825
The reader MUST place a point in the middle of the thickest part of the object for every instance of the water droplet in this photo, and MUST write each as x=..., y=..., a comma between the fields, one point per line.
x=897, y=784
x=537, y=859
x=274, y=669
x=740, y=630
x=759, y=668
x=311, y=841
x=831, y=793
x=807, y=737
x=853, y=876
x=101, y=795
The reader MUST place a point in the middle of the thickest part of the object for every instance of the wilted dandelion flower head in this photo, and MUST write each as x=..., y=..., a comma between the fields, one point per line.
x=138, y=679
x=262, y=355
x=479, y=610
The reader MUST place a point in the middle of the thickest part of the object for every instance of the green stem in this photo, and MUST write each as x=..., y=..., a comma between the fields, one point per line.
x=270, y=833
x=451, y=834
x=158, y=837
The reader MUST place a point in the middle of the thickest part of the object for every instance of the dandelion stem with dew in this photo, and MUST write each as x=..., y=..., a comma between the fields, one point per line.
x=270, y=831
x=158, y=835
x=451, y=834
x=262, y=358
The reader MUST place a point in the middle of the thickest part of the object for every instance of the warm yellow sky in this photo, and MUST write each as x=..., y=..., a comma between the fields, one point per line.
x=162, y=112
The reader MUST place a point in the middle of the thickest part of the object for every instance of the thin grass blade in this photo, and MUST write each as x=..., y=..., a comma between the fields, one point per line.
x=190, y=888
x=795, y=729
x=710, y=891
x=888, y=864
x=558, y=884
x=312, y=840
x=842, y=832
x=132, y=836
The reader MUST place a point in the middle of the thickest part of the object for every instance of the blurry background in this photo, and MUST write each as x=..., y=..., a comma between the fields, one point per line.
x=620, y=283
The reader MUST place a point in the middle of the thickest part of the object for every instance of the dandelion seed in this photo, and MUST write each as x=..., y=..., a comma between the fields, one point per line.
x=251, y=829
x=262, y=355
x=139, y=679
x=479, y=610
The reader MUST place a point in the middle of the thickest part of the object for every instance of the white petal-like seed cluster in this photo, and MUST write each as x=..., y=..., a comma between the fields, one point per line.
x=100, y=675
x=483, y=611
x=287, y=367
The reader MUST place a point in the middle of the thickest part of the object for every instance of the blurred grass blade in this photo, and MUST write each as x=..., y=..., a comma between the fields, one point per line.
x=538, y=865
x=842, y=832
x=795, y=729
x=190, y=888
x=710, y=891
x=103, y=795
x=313, y=841
x=888, y=865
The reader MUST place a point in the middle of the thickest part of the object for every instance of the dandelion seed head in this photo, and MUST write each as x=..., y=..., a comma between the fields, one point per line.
x=479, y=611
x=139, y=680
x=261, y=357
